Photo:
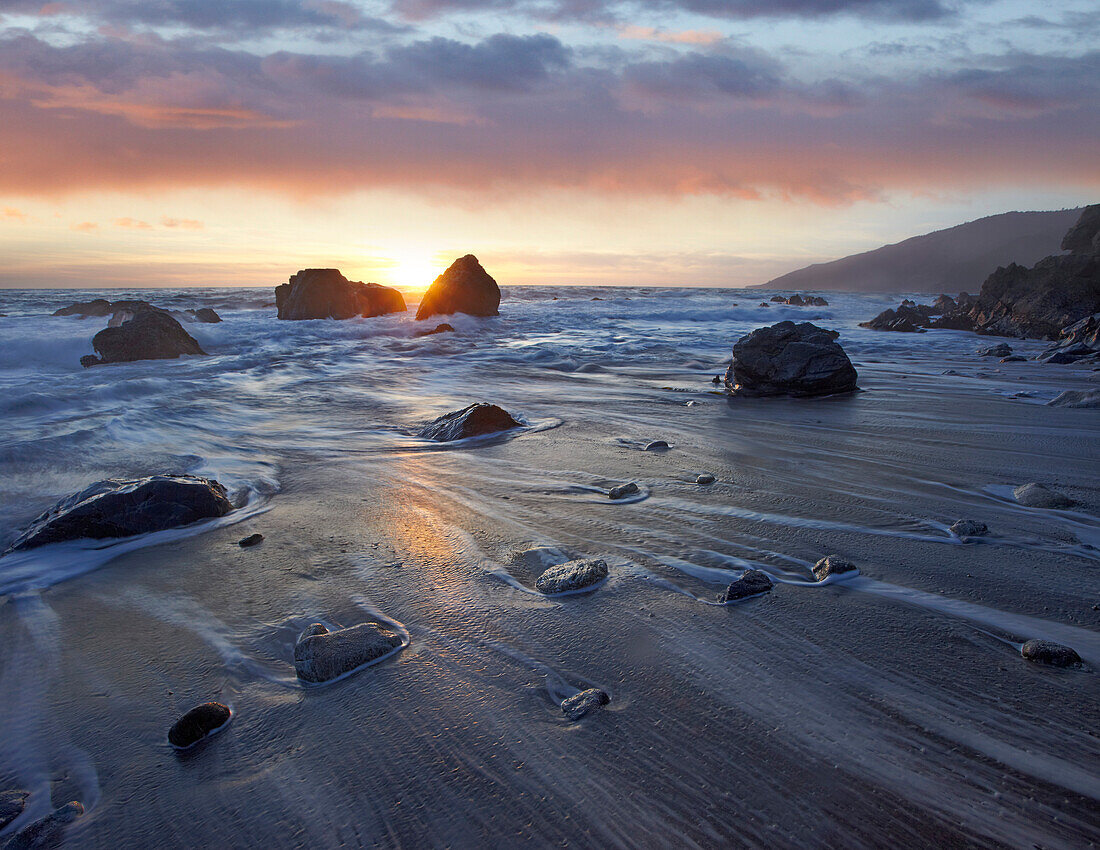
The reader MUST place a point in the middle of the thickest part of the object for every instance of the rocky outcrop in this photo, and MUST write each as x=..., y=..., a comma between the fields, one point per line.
x=1084, y=236
x=1050, y=653
x=1040, y=496
x=47, y=831
x=464, y=288
x=832, y=565
x=321, y=655
x=1079, y=342
x=473, y=421
x=327, y=294
x=572, y=576
x=752, y=583
x=790, y=359
x=121, y=508
x=150, y=334
x=12, y=804
x=578, y=705
x=905, y=319
x=200, y=722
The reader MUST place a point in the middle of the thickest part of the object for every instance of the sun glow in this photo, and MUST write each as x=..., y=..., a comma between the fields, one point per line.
x=413, y=271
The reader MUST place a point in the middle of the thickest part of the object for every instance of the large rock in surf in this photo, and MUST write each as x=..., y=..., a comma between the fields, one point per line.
x=572, y=575
x=905, y=319
x=752, y=583
x=327, y=294
x=1035, y=495
x=124, y=507
x=12, y=804
x=473, y=421
x=321, y=655
x=204, y=315
x=790, y=359
x=200, y=722
x=578, y=705
x=47, y=831
x=1049, y=652
x=101, y=307
x=464, y=288
x=151, y=334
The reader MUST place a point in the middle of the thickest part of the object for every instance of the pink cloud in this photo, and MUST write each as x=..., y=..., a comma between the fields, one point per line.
x=132, y=224
x=12, y=214
x=84, y=226
x=183, y=223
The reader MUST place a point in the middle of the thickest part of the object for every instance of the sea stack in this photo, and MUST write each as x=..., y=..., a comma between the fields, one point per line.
x=327, y=294
x=464, y=288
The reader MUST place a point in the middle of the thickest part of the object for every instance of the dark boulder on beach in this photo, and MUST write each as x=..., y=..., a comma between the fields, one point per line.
x=622, y=491
x=1040, y=496
x=1050, y=653
x=327, y=294
x=199, y=723
x=124, y=507
x=704, y=478
x=832, y=565
x=12, y=804
x=47, y=831
x=578, y=705
x=150, y=334
x=473, y=421
x=442, y=328
x=464, y=288
x=1002, y=349
x=321, y=655
x=251, y=540
x=752, y=583
x=790, y=359
x=969, y=528
x=571, y=576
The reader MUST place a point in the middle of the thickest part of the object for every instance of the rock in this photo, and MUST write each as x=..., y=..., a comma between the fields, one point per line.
x=149, y=335
x=969, y=528
x=1014, y=358
x=704, y=478
x=48, y=831
x=905, y=319
x=752, y=583
x=816, y=301
x=473, y=421
x=796, y=301
x=764, y=304
x=1000, y=350
x=12, y=804
x=205, y=315
x=789, y=359
x=89, y=360
x=327, y=294
x=657, y=446
x=572, y=575
x=199, y=723
x=943, y=304
x=438, y=329
x=578, y=705
x=717, y=379
x=1049, y=652
x=1077, y=341
x=464, y=288
x=1084, y=236
x=622, y=491
x=97, y=307
x=1040, y=496
x=778, y=299
x=122, y=507
x=1076, y=398
x=321, y=655
x=832, y=565
x=251, y=540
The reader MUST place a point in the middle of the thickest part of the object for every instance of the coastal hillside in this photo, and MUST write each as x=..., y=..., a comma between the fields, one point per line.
x=952, y=260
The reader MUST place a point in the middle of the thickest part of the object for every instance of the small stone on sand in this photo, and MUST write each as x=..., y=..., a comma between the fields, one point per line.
x=199, y=723
x=1049, y=652
x=658, y=446
x=1040, y=496
x=969, y=528
x=752, y=583
x=578, y=705
x=705, y=478
x=622, y=491
x=832, y=565
x=251, y=540
x=572, y=575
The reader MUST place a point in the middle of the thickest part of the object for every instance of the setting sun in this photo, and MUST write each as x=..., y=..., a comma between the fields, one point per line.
x=413, y=271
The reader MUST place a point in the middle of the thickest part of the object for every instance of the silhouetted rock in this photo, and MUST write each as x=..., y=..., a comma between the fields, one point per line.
x=969, y=528
x=832, y=565
x=124, y=507
x=321, y=655
x=796, y=301
x=1040, y=496
x=438, y=329
x=1049, y=652
x=464, y=288
x=12, y=804
x=1084, y=236
x=47, y=831
x=622, y=491
x=327, y=294
x=96, y=307
x=789, y=359
x=206, y=315
x=752, y=583
x=1076, y=398
x=1000, y=350
x=251, y=540
x=578, y=705
x=778, y=299
x=571, y=576
x=816, y=301
x=907, y=318
x=200, y=722
x=150, y=335
x=473, y=421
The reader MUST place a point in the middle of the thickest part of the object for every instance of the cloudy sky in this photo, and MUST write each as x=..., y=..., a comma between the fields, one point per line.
x=710, y=142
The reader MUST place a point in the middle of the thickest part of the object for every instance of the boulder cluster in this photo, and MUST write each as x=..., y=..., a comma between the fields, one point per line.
x=797, y=300
x=327, y=294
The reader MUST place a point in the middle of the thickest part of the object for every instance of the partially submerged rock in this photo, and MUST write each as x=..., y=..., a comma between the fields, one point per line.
x=578, y=705
x=832, y=565
x=969, y=528
x=1040, y=496
x=473, y=421
x=200, y=722
x=327, y=294
x=1049, y=652
x=790, y=359
x=12, y=804
x=1076, y=398
x=621, y=491
x=149, y=335
x=321, y=655
x=205, y=315
x=571, y=576
x=123, y=507
x=1002, y=349
x=47, y=831
x=752, y=583
x=251, y=540
x=464, y=288
x=441, y=328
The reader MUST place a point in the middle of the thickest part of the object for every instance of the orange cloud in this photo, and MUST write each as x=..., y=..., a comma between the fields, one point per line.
x=132, y=223
x=12, y=214
x=84, y=226
x=184, y=223
x=699, y=37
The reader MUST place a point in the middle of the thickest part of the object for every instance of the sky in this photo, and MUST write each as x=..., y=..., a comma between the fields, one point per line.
x=644, y=142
